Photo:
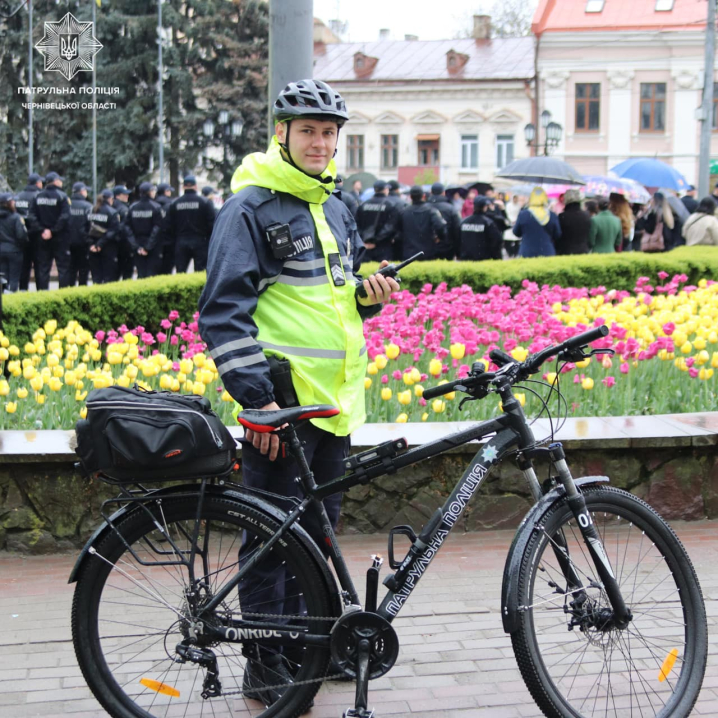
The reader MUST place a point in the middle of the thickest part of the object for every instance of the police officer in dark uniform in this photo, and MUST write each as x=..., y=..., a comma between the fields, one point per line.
x=190, y=219
x=208, y=192
x=79, y=226
x=164, y=200
x=480, y=236
x=423, y=229
x=377, y=224
x=347, y=197
x=22, y=205
x=49, y=216
x=395, y=198
x=13, y=237
x=125, y=256
x=103, y=238
x=142, y=227
x=448, y=248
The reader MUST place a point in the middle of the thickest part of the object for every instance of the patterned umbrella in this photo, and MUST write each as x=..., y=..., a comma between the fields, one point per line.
x=602, y=186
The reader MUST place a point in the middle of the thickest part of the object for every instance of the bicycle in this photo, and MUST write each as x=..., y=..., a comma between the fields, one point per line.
x=601, y=602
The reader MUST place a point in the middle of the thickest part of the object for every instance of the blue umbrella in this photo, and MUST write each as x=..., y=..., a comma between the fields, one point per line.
x=651, y=173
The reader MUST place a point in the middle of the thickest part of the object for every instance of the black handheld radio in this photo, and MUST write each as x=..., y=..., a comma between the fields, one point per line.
x=391, y=270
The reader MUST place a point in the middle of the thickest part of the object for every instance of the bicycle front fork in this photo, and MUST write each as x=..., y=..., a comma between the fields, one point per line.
x=577, y=503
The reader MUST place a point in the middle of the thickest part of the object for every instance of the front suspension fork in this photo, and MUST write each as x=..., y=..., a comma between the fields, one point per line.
x=577, y=503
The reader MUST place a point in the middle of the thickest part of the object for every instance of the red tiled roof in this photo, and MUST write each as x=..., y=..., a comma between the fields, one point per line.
x=571, y=16
x=415, y=60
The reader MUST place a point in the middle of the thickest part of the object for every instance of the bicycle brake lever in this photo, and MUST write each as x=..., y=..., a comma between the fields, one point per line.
x=594, y=352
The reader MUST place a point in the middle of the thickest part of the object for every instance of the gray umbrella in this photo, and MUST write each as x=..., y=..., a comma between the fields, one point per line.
x=676, y=205
x=541, y=170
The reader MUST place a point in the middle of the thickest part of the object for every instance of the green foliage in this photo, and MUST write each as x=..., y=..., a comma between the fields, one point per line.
x=427, y=176
x=148, y=301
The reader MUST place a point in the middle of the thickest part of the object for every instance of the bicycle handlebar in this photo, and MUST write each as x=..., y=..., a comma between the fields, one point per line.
x=530, y=366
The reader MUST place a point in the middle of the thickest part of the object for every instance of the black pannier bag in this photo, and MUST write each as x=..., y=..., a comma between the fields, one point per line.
x=132, y=434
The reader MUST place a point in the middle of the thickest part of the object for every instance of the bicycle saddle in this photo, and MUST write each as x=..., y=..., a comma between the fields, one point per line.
x=265, y=421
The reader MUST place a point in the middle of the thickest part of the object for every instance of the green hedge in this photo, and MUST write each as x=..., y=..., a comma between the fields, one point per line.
x=148, y=301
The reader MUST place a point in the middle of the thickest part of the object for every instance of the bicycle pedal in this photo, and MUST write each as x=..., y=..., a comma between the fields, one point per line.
x=354, y=713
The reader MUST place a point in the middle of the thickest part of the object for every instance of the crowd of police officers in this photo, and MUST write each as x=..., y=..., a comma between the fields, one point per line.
x=157, y=234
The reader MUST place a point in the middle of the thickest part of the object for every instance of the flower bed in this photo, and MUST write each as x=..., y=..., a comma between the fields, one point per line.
x=665, y=336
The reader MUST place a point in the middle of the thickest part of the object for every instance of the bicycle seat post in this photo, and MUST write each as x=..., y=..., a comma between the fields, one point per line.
x=295, y=447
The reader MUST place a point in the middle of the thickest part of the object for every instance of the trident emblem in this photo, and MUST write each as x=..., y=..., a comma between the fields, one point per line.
x=68, y=46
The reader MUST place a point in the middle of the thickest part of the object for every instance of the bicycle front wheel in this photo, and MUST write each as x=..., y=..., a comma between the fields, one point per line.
x=575, y=663
x=134, y=603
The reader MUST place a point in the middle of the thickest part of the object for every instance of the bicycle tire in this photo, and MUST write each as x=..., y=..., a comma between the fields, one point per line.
x=676, y=620
x=123, y=634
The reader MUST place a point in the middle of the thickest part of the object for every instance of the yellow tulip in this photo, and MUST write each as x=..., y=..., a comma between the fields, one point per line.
x=226, y=396
x=381, y=361
x=4, y=388
x=679, y=338
x=102, y=381
x=96, y=355
x=435, y=367
x=407, y=378
x=175, y=385
x=53, y=360
x=14, y=351
x=404, y=397
x=30, y=348
x=551, y=378
x=166, y=381
x=58, y=371
x=133, y=352
x=37, y=382
x=457, y=350
x=199, y=388
x=80, y=395
x=123, y=381
x=4, y=354
x=713, y=337
x=167, y=366
x=418, y=390
x=606, y=362
x=425, y=416
x=700, y=342
x=372, y=368
x=40, y=398
x=22, y=393
x=51, y=326
x=367, y=382
x=438, y=406
x=4, y=342
x=83, y=412
x=55, y=384
x=705, y=374
x=521, y=398
x=686, y=348
x=29, y=372
x=182, y=377
x=583, y=363
x=415, y=374
x=199, y=360
x=402, y=419
x=11, y=407
x=39, y=335
x=587, y=383
x=703, y=357
x=519, y=353
x=386, y=393
x=114, y=358
x=186, y=366
x=130, y=338
x=714, y=360
x=392, y=351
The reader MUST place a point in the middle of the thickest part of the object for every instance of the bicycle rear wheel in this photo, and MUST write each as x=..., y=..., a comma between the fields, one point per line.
x=129, y=613
x=574, y=663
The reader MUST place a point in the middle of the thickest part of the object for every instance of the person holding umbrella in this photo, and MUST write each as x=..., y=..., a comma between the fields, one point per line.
x=537, y=226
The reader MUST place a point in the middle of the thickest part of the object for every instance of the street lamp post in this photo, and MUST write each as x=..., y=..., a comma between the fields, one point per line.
x=226, y=128
x=552, y=134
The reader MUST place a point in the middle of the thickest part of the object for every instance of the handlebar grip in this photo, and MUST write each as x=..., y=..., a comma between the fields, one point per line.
x=500, y=358
x=435, y=391
x=585, y=338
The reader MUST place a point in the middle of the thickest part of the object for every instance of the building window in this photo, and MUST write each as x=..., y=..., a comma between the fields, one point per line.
x=429, y=152
x=594, y=5
x=664, y=5
x=355, y=152
x=469, y=152
x=653, y=106
x=504, y=150
x=588, y=105
x=389, y=152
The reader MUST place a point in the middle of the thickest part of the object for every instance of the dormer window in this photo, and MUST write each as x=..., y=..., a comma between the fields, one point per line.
x=664, y=5
x=364, y=64
x=594, y=5
x=455, y=61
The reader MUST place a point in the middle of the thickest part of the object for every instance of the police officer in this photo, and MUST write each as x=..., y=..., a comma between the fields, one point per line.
x=78, y=228
x=448, y=248
x=281, y=283
x=49, y=216
x=377, y=223
x=190, y=219
x=125, y=255
x=394, y=197
x=22, y=205
x=13, y=237
x=167, y=249
x=480, y=237
x=142, y=226
x=208, y=192
x=103, y=238
x=423, y=229
x=347, y=197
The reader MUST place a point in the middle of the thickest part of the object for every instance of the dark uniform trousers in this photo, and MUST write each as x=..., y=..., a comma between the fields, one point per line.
x=79, y=264
x=10, y=269
x=56, y=248
x=104, y=264
x=150, y=265
x=268, y=588
x=188, y=249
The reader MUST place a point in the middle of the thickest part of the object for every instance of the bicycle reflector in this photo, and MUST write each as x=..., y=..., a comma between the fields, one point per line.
x=160, y=687
x=668, y=664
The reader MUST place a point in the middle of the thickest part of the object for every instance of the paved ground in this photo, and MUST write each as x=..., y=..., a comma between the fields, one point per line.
x=455, y=659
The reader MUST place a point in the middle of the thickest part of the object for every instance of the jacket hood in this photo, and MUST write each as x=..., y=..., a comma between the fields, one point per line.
x=270, y=170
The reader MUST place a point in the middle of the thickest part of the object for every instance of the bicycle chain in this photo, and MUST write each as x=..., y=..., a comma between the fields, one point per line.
x=285, y=685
